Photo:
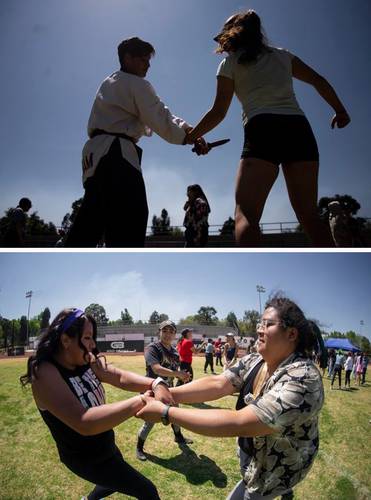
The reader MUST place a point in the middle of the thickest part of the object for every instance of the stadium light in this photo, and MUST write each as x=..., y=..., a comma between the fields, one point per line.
x=29, y=297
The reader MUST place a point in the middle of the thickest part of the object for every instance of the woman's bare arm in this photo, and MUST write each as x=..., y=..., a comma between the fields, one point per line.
x=223, y=98
x=53, y=394
x=122, y=379
x=203, y=389
x=305, y=73
x=216, y=423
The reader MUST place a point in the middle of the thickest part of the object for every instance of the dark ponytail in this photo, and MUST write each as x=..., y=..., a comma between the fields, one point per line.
x=319, y=348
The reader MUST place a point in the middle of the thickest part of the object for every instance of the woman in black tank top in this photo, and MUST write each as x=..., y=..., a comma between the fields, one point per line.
x=66, y=376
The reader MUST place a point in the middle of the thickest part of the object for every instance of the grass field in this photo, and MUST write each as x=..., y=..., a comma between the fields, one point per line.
x=208, y=469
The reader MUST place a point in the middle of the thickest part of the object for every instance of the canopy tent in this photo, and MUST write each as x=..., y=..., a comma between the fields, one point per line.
x=344, y=344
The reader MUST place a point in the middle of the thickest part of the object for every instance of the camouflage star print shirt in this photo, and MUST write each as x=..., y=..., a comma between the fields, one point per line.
x=289, y=403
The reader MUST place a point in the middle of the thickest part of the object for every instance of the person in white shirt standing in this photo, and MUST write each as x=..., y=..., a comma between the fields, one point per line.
x=338, y=367
x=125, y=108
x=276, y=129
x=209, y=356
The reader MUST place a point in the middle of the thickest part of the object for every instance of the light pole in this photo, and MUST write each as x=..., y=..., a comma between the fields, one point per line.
x=361, y=323
x=260, y=289
x=29, y=297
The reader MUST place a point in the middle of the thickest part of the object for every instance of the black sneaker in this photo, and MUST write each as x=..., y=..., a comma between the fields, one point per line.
x=140, y=454
x=182, y=440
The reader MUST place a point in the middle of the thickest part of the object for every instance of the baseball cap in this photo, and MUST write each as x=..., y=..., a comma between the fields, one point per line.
x=167, y=322
x=229, y=334
x=186, y=330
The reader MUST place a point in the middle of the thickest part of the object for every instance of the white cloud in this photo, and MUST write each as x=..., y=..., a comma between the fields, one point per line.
x=127, y=290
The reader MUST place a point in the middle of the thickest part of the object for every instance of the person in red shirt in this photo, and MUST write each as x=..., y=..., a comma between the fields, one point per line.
x=186, y=350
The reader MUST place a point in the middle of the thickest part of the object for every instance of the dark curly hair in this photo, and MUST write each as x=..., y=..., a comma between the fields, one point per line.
x=49, y=343
x=243, y=31
x=292, y=316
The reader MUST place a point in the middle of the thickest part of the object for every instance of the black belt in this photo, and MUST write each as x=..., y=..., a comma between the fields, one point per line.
x=98, y=131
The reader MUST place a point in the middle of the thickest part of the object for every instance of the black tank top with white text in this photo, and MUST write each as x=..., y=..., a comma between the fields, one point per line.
x=71, y=445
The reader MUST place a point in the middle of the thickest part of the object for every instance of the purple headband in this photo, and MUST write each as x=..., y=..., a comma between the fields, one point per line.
x=71, y=318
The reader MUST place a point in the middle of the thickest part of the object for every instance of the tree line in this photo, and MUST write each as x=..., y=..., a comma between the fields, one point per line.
x=14, y=332
x=206, y=315
x=161, y=225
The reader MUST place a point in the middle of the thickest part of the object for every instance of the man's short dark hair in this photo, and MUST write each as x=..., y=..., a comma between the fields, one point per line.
x=25, y=203
x=135, y=47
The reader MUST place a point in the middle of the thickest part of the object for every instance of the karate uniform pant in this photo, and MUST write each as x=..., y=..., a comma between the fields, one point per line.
x=114, y=208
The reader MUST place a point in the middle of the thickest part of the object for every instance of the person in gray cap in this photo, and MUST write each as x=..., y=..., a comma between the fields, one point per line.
x=162, y=361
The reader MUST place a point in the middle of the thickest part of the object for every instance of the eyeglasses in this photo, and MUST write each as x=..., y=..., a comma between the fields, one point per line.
x=266, y=323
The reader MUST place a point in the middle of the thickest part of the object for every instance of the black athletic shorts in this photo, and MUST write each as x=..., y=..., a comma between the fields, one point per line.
x=279, y=139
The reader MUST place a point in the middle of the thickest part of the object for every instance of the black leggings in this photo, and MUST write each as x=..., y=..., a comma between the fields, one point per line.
x=218, y=359
x=337, y=370
x=347, y=377
x=115, y=475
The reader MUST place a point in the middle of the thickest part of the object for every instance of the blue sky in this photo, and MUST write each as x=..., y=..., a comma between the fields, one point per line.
x=55, y=54
x=334, y=288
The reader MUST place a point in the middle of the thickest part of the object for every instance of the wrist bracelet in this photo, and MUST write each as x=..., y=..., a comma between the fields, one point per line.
x=165, y=415
x=157, y=381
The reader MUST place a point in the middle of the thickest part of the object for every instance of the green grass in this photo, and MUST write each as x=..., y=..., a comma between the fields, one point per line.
x=208, y=469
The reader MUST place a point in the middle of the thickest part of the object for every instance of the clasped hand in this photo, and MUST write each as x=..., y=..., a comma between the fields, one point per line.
x=161, y=393
x=152, y=409
x=200, y=147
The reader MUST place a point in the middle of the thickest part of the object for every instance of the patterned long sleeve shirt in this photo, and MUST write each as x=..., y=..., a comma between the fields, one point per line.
x=289, y=403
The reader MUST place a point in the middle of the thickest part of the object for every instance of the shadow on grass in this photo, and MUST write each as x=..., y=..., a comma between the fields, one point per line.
x=205, y=406
x=197, y=469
